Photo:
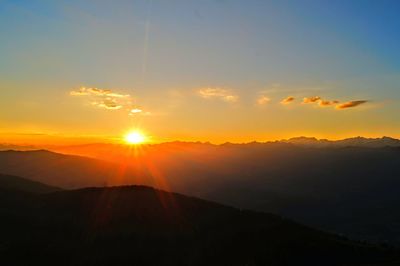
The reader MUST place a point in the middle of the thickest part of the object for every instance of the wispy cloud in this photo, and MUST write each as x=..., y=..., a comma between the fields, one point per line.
x=325, y=103
x=311, y=99
x=319, y=100
x=136, y=111
x=109, y=104
x=288, y=100
x=350, y=104
x=219, y=93
x=263, y=100
x=103, y=98
x=109, y=99
x=83, y=91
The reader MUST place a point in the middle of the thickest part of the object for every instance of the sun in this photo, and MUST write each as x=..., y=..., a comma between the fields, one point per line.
x=135, y=137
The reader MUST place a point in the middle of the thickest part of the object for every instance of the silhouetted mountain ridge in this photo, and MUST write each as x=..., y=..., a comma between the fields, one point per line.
x=348, y=190
x=354, y=142
x=22, y=184
x=65, y=171
x=143, y=226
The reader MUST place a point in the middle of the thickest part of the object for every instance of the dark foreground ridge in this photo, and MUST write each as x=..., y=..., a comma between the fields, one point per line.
x=352, y=191
x=138, y=225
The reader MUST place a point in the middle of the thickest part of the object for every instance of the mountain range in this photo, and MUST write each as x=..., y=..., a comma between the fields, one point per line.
x=347, y=190
x=138, y=225
x=303, y=141
x=350, y=142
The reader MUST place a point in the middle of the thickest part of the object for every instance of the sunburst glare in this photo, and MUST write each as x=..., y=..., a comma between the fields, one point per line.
x=135, y=137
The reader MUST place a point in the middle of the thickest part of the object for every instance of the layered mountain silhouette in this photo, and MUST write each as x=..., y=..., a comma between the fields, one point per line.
x=112, y=151
x=350, y=142
x=350, y=189
x=138, y=225
x=9, y=182
x=65, y=171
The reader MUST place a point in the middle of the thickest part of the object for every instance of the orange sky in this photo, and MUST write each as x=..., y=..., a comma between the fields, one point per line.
x=196, y=71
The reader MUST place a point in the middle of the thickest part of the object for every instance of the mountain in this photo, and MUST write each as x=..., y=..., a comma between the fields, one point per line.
x=371, y=142
x=137, y=225
x=9, y=146
x=350, y=142
x=8, y=182
x=348, y=190
x=309, y=141
x=65, y=171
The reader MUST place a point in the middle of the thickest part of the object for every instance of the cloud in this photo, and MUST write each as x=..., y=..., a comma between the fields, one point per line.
x=136, y=111
x=324, y=103
x=110, y=100
x=103, y=98
x=350, y=104
x=262, y=100
x=321, y=102
x=311, y=99
x=79, y=92
x=83, y=91
x=109, y=104
x=222, y=94
x=288, y=100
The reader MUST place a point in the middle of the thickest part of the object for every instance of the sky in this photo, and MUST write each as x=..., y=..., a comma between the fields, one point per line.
x=218, y=71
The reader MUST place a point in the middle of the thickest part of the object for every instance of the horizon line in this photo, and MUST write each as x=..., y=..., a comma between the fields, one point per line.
x=149, y=143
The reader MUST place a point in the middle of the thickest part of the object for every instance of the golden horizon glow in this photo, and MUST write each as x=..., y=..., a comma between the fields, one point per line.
x=135, y=137
x=43, y=139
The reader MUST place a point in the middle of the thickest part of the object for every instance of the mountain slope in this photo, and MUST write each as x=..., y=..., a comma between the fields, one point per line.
x=141, y=226
x=350, y=142
x=351, y=191
x=9, y=182
x=65, y=171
